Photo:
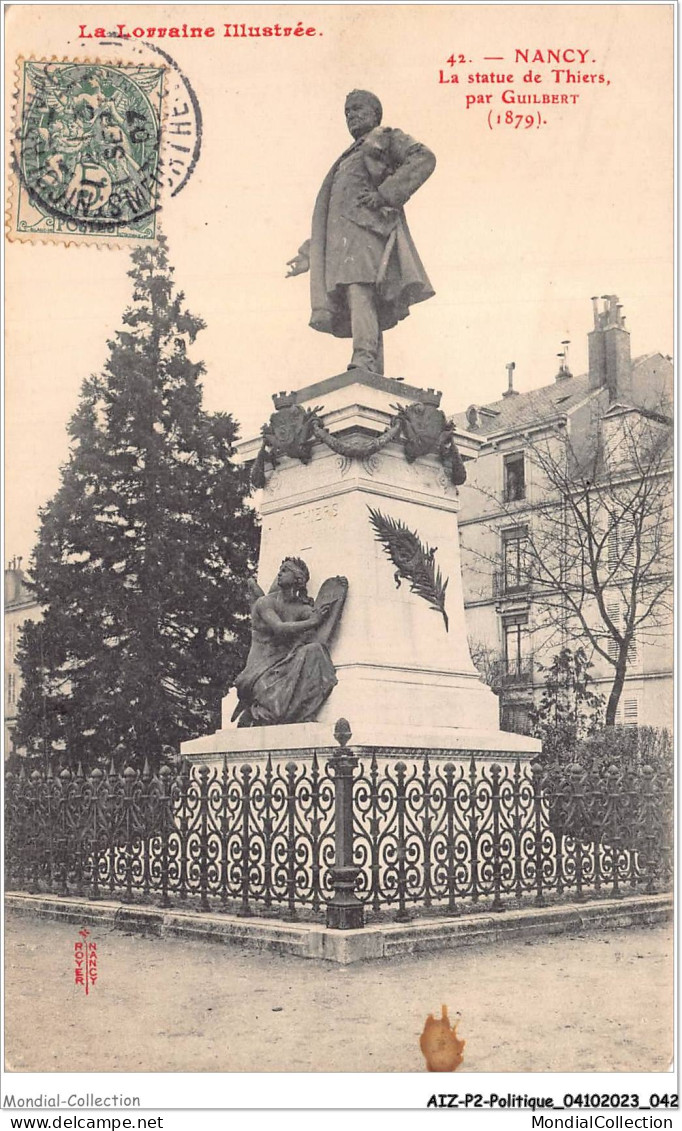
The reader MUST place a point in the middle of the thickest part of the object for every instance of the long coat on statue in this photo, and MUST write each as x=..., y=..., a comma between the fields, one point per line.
x=352, y=243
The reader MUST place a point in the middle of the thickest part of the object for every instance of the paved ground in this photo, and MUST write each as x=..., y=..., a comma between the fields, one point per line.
x=580, y=1003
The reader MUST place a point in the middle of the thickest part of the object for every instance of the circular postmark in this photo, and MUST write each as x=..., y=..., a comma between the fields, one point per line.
x=182, y=128
x=89, y=142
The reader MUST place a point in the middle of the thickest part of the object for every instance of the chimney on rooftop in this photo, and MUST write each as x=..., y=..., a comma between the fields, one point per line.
x=510, y=391
x=609, y=350
x=564, y=371
x=14, y=578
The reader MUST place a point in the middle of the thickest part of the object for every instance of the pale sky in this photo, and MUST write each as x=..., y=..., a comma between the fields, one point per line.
x=516, y=228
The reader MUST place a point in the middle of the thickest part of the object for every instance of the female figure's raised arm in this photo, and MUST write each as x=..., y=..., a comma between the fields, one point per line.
x=278, y=627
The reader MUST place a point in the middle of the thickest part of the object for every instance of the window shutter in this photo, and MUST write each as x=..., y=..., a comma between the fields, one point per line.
x=630, y=712
x=611, y=645
x=615, y=612
x=627, y=713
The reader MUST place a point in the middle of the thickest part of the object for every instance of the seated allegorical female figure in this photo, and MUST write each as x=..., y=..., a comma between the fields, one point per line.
x=289, y=673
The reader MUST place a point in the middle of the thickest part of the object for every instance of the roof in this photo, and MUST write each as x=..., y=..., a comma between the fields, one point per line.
x=17, y=594
x=524, y=409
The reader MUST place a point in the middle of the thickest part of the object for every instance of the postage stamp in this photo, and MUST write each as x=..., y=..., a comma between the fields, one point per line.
x=87, y=154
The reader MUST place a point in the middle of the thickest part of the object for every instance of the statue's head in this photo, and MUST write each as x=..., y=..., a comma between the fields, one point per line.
x=363, y=112
x=293, y=572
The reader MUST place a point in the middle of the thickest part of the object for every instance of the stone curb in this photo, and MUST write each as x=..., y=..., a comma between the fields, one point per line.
x=383, y=940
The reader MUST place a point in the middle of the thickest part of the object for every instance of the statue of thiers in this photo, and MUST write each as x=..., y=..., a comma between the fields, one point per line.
x=365, y=272
x=289, y=672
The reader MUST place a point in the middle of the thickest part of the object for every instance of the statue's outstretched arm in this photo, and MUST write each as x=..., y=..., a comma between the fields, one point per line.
x=301, y=261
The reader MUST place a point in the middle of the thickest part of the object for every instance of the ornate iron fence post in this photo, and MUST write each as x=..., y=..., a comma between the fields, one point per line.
x=576, y=821
x=268, y=823
x=597, y=812
x=74, y=830
x=78, y=850
x=246, y=772
x=495, y=774
x=59, y=789
x=344, y=910
x=631, y=788
x=34, y=809
x=518, y=855
x=427, y=825
x=374, y=828
x=648, y=821
x=536, y=769
x=166, y=817
x=290, y=912
x=612, y=827
x=21, y=818
x=148, y=831
x=183, y=786
x=664, y=791
x=10, y=829
x=129, y=780
x=112, y=815
x=315, y=826
x=450, y=770
x=473, y=829
x=224, y=856
x=401, y=847
x=91, y=826
x=204, y=772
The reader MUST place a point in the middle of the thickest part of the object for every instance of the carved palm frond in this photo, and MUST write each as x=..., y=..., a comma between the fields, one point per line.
x=414, y=561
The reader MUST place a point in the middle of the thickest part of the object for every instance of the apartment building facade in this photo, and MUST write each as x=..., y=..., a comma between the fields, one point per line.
x=510, y=511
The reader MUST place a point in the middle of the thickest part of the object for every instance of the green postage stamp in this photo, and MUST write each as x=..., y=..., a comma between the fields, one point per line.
x=86, y=161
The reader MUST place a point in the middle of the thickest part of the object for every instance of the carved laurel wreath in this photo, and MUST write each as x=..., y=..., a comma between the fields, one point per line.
x=413, y=560
x=307, y=427
x=356, y=447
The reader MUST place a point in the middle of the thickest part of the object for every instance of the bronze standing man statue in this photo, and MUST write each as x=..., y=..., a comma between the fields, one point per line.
x=365, y=272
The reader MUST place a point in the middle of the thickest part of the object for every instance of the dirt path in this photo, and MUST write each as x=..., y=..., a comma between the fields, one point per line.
x=594, y=1002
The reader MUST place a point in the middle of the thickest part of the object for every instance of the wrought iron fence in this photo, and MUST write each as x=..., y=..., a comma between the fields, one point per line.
x=342, y=834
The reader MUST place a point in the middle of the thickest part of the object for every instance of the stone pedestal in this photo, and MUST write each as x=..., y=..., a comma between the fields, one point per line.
x=401, y=673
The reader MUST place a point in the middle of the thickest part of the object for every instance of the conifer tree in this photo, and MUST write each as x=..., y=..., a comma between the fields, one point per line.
x=143, y=553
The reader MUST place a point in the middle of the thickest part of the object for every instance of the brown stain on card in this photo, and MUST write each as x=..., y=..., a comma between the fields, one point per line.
x=442, y=1049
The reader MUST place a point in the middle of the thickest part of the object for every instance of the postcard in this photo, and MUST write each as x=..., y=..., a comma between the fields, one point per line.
x=339, y=557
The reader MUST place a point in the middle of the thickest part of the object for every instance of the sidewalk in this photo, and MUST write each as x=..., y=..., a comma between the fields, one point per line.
x=601, y=1001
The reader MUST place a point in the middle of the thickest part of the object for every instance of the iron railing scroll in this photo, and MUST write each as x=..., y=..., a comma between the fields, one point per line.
x=343, y=833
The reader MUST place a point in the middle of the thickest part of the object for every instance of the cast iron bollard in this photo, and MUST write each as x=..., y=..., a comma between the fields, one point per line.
x=344, y=910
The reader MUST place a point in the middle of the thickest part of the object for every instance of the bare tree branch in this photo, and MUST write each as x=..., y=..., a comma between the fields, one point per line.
x=599, y=541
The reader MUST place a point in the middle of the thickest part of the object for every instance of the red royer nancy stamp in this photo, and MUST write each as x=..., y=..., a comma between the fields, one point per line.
x=85, y=961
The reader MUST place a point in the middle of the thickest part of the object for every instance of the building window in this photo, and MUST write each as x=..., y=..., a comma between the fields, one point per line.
x=622, y=544
x=514, y=558
x=627, y=712
x=515, y=646
x=616, y=614
x=11, y=689
x=514, y=478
